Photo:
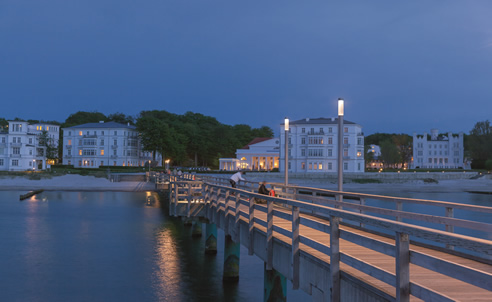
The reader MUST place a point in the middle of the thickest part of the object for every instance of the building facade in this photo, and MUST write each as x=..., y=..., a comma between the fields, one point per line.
x=261, y=154
x=104, y=144
x=24, y=146
x=313, y=146
x=438, y=151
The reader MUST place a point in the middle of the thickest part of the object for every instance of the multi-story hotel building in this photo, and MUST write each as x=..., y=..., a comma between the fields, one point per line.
x=437, y=151
x=104, y=144
x=22, y=146
x=313, y=146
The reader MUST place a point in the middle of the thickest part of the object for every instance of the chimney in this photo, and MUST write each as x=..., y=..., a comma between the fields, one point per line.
x=307, y=119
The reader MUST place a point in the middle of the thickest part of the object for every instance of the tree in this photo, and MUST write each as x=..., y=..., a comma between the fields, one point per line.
x=48, y=148
x=389, y=153
x=479, y=144
x=83, y=117
x=121, y=118
x=403, y=143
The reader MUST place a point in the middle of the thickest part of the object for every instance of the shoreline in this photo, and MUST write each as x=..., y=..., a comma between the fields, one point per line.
x=74, y=182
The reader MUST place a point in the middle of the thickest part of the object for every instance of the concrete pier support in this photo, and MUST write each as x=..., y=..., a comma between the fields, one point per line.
x=211, y=238
x=231, y=260
x=196, y=230
x=187, y=221
x=275, y=286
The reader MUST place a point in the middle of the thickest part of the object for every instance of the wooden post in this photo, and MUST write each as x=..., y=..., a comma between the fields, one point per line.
x=295, y=247
x=226, y=213
x=399, y=207
x=251, y=226
x=402, y=267
x=217, y=204
x=362, y=202
x=449, y=228
x=269, y=244
x=188, y=207
x=237, y=216
x=335, y=258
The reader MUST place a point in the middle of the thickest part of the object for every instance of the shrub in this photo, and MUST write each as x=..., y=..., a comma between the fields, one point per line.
x=430, y=181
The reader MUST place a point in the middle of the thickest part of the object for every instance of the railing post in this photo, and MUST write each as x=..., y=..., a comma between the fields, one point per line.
x=449, y=228
x=251, y=226
x=399, y=208
x=295, y=247
x=402, y=267
x=188, y=207
x=237, y=216
x=176, y=197
x=269, y=245
x=362, y=202
x=217, y=206
x=226, y=212
x=335, y=258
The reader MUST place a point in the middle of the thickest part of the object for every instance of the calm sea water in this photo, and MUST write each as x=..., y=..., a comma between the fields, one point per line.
x=111, y=246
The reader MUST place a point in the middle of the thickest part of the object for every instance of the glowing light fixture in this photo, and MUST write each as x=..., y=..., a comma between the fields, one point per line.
x=340, y=107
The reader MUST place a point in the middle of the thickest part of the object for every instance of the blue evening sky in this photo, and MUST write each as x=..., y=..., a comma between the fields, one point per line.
x=401, y=66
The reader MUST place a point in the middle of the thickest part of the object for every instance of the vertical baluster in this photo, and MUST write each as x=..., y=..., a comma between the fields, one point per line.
x=237, y=216
x=362, y=202
x=402, y=267
x=251, y=225
x=399, y=208
x=449, y=228
x=335, y=258
x=295, y=247
x=269, y=245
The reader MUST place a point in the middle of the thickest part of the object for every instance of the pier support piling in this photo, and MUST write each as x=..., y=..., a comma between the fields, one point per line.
x=275, y=286
x=196, y=230
x=211, y=238
x=231, y=260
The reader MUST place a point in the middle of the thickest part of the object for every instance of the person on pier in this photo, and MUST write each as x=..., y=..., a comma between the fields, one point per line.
x=235, y=178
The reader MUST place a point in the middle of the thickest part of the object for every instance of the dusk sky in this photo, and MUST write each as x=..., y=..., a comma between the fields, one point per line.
x=402, y=67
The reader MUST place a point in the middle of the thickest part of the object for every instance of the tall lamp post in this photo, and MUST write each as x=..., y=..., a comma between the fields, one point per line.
x=340, y=145
x=286, y=172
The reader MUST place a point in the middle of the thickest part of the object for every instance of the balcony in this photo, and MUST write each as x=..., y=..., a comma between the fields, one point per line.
x=315, y=133
x=16, y=144
x=15, y=155
x=114, y=146
x=114, y=156
x=68, y=146
x=89, y=136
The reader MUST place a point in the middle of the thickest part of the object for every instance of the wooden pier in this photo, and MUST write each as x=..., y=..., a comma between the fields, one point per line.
x=345, y=251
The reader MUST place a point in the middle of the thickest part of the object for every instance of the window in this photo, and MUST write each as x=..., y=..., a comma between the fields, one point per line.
x=289, y=165
x=15, y=162
x=16, y=150
x=310, y=166
x=102, y=152
x=80, y=133
x=30, y=140
x=345, y=129
x=116, y=133
x=102, y=133
x=345, y=140
x=69, y=152
x=315, y=152
x=321, y=130
x=102, y=142
x=315, y=166
x=359, y=141
x=330, y=141
x=69, y=133
x=114, y=163
x=80, y=163
x=345, y=152
x=330, y=152
x=1, y=161
x=303, y=130
x=330, y=130
x=303, y=152
x=330, y=166
x=303, y=141
x=80, y=151
x=303, y=165
x=345, y=166
x=320, y=166
x=69, y=142
x=430, y=160
x=358, y=166
x=114, y=152
x=115, y=142
x=30, y=152
x=316, y=141
x=359, y=154
x=89, y=152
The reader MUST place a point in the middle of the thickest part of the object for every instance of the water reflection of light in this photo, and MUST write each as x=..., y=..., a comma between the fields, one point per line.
x=168, y=273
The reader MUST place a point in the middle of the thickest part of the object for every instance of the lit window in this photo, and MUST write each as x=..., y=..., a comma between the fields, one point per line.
x=359, y=154
x=80, y=133
x=320, y=166
x=102, y=152
x=80, y=152
x=69, y=142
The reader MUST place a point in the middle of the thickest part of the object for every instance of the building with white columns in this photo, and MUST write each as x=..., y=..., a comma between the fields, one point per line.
x=261, y=154
x=313, y=146
x=21, y=148
x=104, y=144
x=438, y=151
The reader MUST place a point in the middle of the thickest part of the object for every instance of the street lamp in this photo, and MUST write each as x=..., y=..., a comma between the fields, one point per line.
x=340, y=145
x=286, y=173
x=167, y=164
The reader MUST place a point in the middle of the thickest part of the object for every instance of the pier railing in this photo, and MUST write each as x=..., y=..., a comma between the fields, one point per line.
x=292, y=201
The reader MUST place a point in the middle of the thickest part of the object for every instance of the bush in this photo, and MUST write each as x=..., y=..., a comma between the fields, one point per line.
x=430, y=181
x=488, y=164
x=366, y=181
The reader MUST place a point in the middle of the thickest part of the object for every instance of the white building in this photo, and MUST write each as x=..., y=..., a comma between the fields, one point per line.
x=313, y=146
x=261, y=154
x=104, y=144
x=437, y=151
x=20, y=147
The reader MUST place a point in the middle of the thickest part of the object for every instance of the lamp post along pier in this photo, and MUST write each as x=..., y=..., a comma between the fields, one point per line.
x=286, y=172
x=340, y=146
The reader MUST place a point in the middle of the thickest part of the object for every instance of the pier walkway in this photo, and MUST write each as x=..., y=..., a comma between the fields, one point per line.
x=350, y=250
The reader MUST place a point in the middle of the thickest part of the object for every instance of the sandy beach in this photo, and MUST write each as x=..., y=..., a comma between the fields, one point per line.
x=91, y=183
x=72, y=183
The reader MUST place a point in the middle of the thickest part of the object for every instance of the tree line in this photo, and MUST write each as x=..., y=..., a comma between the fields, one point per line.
x=190, y=139
x=397, y=149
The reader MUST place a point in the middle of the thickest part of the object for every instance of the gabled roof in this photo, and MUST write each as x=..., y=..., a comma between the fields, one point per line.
x=104, y=125
x=320, y=120
x=256, y=140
